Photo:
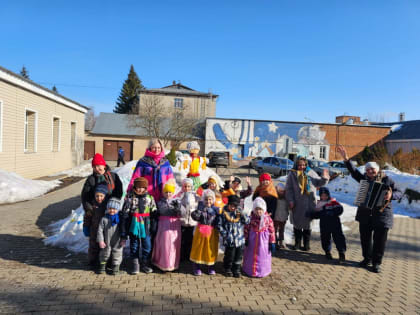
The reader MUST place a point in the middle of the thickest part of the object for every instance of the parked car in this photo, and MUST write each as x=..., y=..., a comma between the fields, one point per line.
x=339, y=165
x=318, y=166
x=254, y=161
x=274, y=165
x=218, y=159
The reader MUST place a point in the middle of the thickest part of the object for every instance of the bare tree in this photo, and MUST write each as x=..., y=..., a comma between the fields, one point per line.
x=90, y=119
x=170, y=125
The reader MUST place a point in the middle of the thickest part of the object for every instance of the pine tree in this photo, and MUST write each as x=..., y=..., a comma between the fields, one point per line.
x=128, y=95
x=54, y=89
x=24, y=73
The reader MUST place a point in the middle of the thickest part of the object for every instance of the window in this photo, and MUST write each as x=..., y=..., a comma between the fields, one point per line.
x=73, y=136
x=1, y=126
x=56, y=134
x=178, y=102
x=322, y=152
x=30, y=131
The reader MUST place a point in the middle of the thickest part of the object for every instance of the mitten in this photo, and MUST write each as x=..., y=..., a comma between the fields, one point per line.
x=272, y=247
x=86, y=231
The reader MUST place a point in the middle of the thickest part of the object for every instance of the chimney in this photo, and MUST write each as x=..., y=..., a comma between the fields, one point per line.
x=401, y=117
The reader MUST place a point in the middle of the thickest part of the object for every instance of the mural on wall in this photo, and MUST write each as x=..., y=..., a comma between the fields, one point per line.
x=245, y=139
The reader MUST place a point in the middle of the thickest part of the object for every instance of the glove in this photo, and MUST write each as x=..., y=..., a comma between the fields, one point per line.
x=272, y=248
x=176, y=204
x=86, y=231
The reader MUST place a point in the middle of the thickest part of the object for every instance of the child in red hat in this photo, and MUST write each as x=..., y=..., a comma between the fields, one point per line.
x=101, y=174
x=268, y=192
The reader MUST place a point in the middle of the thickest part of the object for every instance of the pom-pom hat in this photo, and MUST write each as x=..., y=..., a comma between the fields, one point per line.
x=114, y=203
x=98, y=159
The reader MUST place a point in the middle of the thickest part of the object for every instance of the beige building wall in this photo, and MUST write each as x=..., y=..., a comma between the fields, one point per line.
x=198, y=106
x=44, y=160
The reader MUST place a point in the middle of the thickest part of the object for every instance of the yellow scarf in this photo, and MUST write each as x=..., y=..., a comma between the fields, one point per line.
x=303, y=182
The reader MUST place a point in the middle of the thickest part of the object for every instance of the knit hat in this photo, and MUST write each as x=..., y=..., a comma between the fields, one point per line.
x=259, y=203
x=234, y=200
x=193, y=147
x=324, y=190
x=141, y=182
x=188, y=181
x=98, y=159
x=265, y=176
x=212, y=180
x=114, y=203
x=373, y=165
x=209, y=193
x=237, y=180
x=101, y=188
x=169, y=187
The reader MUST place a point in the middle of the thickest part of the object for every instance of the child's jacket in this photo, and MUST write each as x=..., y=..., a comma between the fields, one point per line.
x=231, y=227
x=205, y=215
x=190, y=202
x=327, y=210
x=138, y=215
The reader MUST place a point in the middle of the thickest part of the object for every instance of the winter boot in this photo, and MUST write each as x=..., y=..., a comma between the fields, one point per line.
x=328, y=255
x=298, y=238
x=145, y=267
x=364, y=263
x=101, y=267
x=115, y=269
x=306, y=240
x=197, y=270
x=236, y=269
x=212, y=272
x=341, y=257
x=135, y=266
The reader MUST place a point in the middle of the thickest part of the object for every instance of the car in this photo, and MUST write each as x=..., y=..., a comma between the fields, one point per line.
x=318, y=166
x=254, y=161
x=218, y=159
x=339, y=165
x=274, y=165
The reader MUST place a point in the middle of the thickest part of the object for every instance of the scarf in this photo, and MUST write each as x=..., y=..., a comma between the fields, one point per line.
x=266, y=191
x=156, y=157
x=107, y=178
x=304, y=181
x=229, y=216
x=258, y=223
x=115, y=219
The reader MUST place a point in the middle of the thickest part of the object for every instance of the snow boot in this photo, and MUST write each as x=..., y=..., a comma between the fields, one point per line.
x=135, y=266
x=306, y=240
x=298, y=239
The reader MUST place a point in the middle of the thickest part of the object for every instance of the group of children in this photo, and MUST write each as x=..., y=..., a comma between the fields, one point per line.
x=187, y=226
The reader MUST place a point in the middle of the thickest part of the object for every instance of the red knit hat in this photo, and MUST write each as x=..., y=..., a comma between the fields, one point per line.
x=98, y=159
x=265, y=176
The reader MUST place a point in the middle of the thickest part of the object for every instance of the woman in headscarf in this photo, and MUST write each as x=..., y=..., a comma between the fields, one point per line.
x=373, y=223
x=155, y=167
x=301, y=186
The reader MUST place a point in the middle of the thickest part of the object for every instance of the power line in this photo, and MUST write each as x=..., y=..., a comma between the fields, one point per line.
x=77, y=85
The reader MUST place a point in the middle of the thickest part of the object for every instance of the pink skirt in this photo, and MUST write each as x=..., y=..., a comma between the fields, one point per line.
x=167, y=246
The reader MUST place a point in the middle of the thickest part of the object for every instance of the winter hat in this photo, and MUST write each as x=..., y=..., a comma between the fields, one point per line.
x=98, y=159
x=265, y=176
x=101, y=188
x=141, y=182
x=188, y=181
x=209, y=193
x=324, y=190
x=234, y=200
x=169, y=187
x=259, y=203
x=237, y=180
x=114, y=203
x=373, y=165
x=212, y=180
x=193, y=147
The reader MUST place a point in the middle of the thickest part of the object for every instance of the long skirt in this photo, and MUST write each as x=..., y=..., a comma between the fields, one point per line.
x=167, y=244
x=257, y=257
x=205, y=246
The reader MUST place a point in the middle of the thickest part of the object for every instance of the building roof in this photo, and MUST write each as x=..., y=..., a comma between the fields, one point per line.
x=404, y=130
x=27, y=84
x=122, y=125
x=178, y=89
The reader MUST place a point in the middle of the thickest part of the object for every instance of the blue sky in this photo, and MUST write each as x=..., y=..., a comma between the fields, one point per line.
x=277, y=60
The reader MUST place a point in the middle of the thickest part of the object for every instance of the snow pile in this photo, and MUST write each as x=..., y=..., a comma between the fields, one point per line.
x=14, y=188
x=83, y=170
x=68, y=232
